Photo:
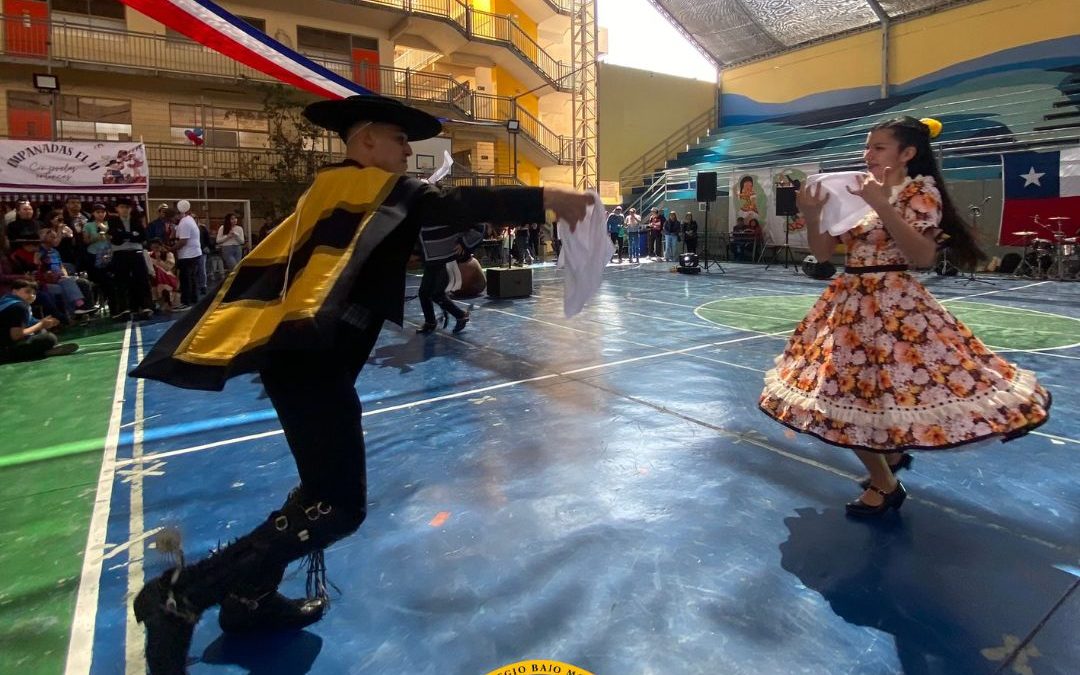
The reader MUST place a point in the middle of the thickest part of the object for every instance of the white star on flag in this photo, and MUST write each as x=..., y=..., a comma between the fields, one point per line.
x=1032, y=178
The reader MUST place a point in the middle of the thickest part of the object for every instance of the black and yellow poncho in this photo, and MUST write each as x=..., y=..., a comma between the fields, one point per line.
x=290, y=291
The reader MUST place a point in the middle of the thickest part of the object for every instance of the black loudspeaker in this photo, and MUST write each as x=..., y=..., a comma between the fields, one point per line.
x=785, y=201
x=689, y=264
x=706, y=186
x=509, y=283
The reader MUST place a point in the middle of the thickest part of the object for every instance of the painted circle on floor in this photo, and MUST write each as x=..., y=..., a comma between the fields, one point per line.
x=998, y=326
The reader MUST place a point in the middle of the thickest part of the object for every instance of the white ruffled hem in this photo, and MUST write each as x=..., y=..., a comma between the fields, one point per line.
x=1022, y=391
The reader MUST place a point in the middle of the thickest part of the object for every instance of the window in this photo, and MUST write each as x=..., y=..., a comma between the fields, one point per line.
x=257, y=24
x=222, y=127
x=102, y=119
x=331, y=45
x=90, y=13
x=107, y=9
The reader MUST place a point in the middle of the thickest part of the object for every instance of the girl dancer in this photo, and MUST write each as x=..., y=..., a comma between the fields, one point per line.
x=878, y=365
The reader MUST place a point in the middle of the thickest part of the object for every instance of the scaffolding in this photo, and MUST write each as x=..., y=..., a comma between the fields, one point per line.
x=583, y=52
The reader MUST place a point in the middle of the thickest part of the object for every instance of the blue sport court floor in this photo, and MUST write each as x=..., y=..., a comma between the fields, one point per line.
x=603, y=492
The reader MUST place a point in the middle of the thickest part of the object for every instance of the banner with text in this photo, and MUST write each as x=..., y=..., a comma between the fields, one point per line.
x=73, y=166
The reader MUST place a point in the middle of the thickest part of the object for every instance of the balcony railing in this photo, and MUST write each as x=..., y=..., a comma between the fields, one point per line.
x=476, y=24
x=169, y=161
x=68, y=43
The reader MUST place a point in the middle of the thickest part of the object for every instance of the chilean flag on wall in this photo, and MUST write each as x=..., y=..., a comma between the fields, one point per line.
x=213, y=26
x=1044, y=185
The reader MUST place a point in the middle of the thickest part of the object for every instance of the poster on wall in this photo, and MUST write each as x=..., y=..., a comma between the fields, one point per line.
x=751, y=190
x=86, y=167
x=788, y=178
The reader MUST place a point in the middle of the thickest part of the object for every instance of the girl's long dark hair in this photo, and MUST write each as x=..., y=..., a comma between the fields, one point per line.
x=964, y=250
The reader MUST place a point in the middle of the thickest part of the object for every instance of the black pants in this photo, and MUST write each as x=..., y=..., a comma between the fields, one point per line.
x=28, y=349
x=433, y=291
x=315, y=398
x=316, y=402
x=617, y=242
x=691, y=244
x=656, y=243
x=188, y=271
x=131, y=282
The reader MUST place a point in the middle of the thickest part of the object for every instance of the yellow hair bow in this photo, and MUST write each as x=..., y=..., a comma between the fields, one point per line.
x=933, y=125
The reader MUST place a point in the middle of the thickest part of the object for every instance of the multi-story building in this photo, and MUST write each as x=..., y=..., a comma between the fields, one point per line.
x=125, y=76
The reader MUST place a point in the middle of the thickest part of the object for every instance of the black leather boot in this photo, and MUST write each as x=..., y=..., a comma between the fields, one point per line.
x=272, y=612
x=170, y=606
x=170, y=622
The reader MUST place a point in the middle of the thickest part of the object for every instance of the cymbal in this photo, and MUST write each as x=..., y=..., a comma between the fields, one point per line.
x=1025, y=234
x=1059, y=218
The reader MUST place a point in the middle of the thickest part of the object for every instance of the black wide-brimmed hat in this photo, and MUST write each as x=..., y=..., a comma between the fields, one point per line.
x=340, y=114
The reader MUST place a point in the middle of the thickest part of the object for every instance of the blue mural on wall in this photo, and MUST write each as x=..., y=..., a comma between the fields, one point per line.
x=1009, y=97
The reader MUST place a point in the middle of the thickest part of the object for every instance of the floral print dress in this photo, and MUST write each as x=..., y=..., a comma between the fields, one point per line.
x=879, y=364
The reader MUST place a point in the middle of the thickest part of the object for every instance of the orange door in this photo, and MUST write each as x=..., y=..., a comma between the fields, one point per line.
x=26, y=30
x=366, y=68
x=35, y=124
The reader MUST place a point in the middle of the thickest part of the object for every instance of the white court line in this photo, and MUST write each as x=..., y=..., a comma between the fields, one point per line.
x=1056, y=438
x=134, y=637
x=446, y=397
x=84, y=619
x=117, y=550
x=1000, y=290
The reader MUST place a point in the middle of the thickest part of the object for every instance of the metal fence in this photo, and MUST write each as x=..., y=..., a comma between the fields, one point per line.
x=62, y=42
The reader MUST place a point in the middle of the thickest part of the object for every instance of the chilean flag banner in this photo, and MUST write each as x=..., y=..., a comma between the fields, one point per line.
x=214, y=27
x=1041, y=188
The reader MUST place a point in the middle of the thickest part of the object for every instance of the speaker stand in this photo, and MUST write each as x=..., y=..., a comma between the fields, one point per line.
x=784, y=252
x=705, y=246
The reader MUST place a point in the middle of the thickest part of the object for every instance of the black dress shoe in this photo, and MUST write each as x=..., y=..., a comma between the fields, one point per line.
x=426, y=328
x=273, y=612
x=906, y=459
x=892, y=500
x=169, y=621
x=459, y=325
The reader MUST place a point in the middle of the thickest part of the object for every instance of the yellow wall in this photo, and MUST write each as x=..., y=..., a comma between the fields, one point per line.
x=508, y=8
x=508, y=85
x=917, y=47
x=638, y=109
x=930, y=43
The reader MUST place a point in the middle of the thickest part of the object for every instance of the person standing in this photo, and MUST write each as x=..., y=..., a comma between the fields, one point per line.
x=656, y=234
x=878, y=365
x=615, y=224
x=230, y=241
x=632, y=223
x=690, y=232
x=308, y=335
x=131, y=280
x=188, y=249
x=672, y=230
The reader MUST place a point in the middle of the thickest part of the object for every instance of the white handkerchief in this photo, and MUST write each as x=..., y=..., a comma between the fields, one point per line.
x=843, y=210
x=585, y=253
x=444, y=169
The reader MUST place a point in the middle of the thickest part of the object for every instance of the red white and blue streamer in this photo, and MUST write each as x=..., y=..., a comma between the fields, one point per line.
x=216, y=28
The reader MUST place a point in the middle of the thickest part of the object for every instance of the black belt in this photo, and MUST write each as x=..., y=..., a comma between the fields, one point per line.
x=871, y=269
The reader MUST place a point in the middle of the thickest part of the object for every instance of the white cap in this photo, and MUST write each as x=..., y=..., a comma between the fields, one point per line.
x=183, y=206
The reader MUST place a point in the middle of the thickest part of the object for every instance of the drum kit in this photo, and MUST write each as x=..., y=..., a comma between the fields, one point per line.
x=1056, y=257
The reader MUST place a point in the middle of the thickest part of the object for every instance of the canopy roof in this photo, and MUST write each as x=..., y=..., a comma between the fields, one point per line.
x=734, y=31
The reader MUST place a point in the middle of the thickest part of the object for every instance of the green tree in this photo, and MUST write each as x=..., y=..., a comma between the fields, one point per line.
x=296, y=147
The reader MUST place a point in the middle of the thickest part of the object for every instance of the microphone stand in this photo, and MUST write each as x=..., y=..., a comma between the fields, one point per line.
x=975, y=213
